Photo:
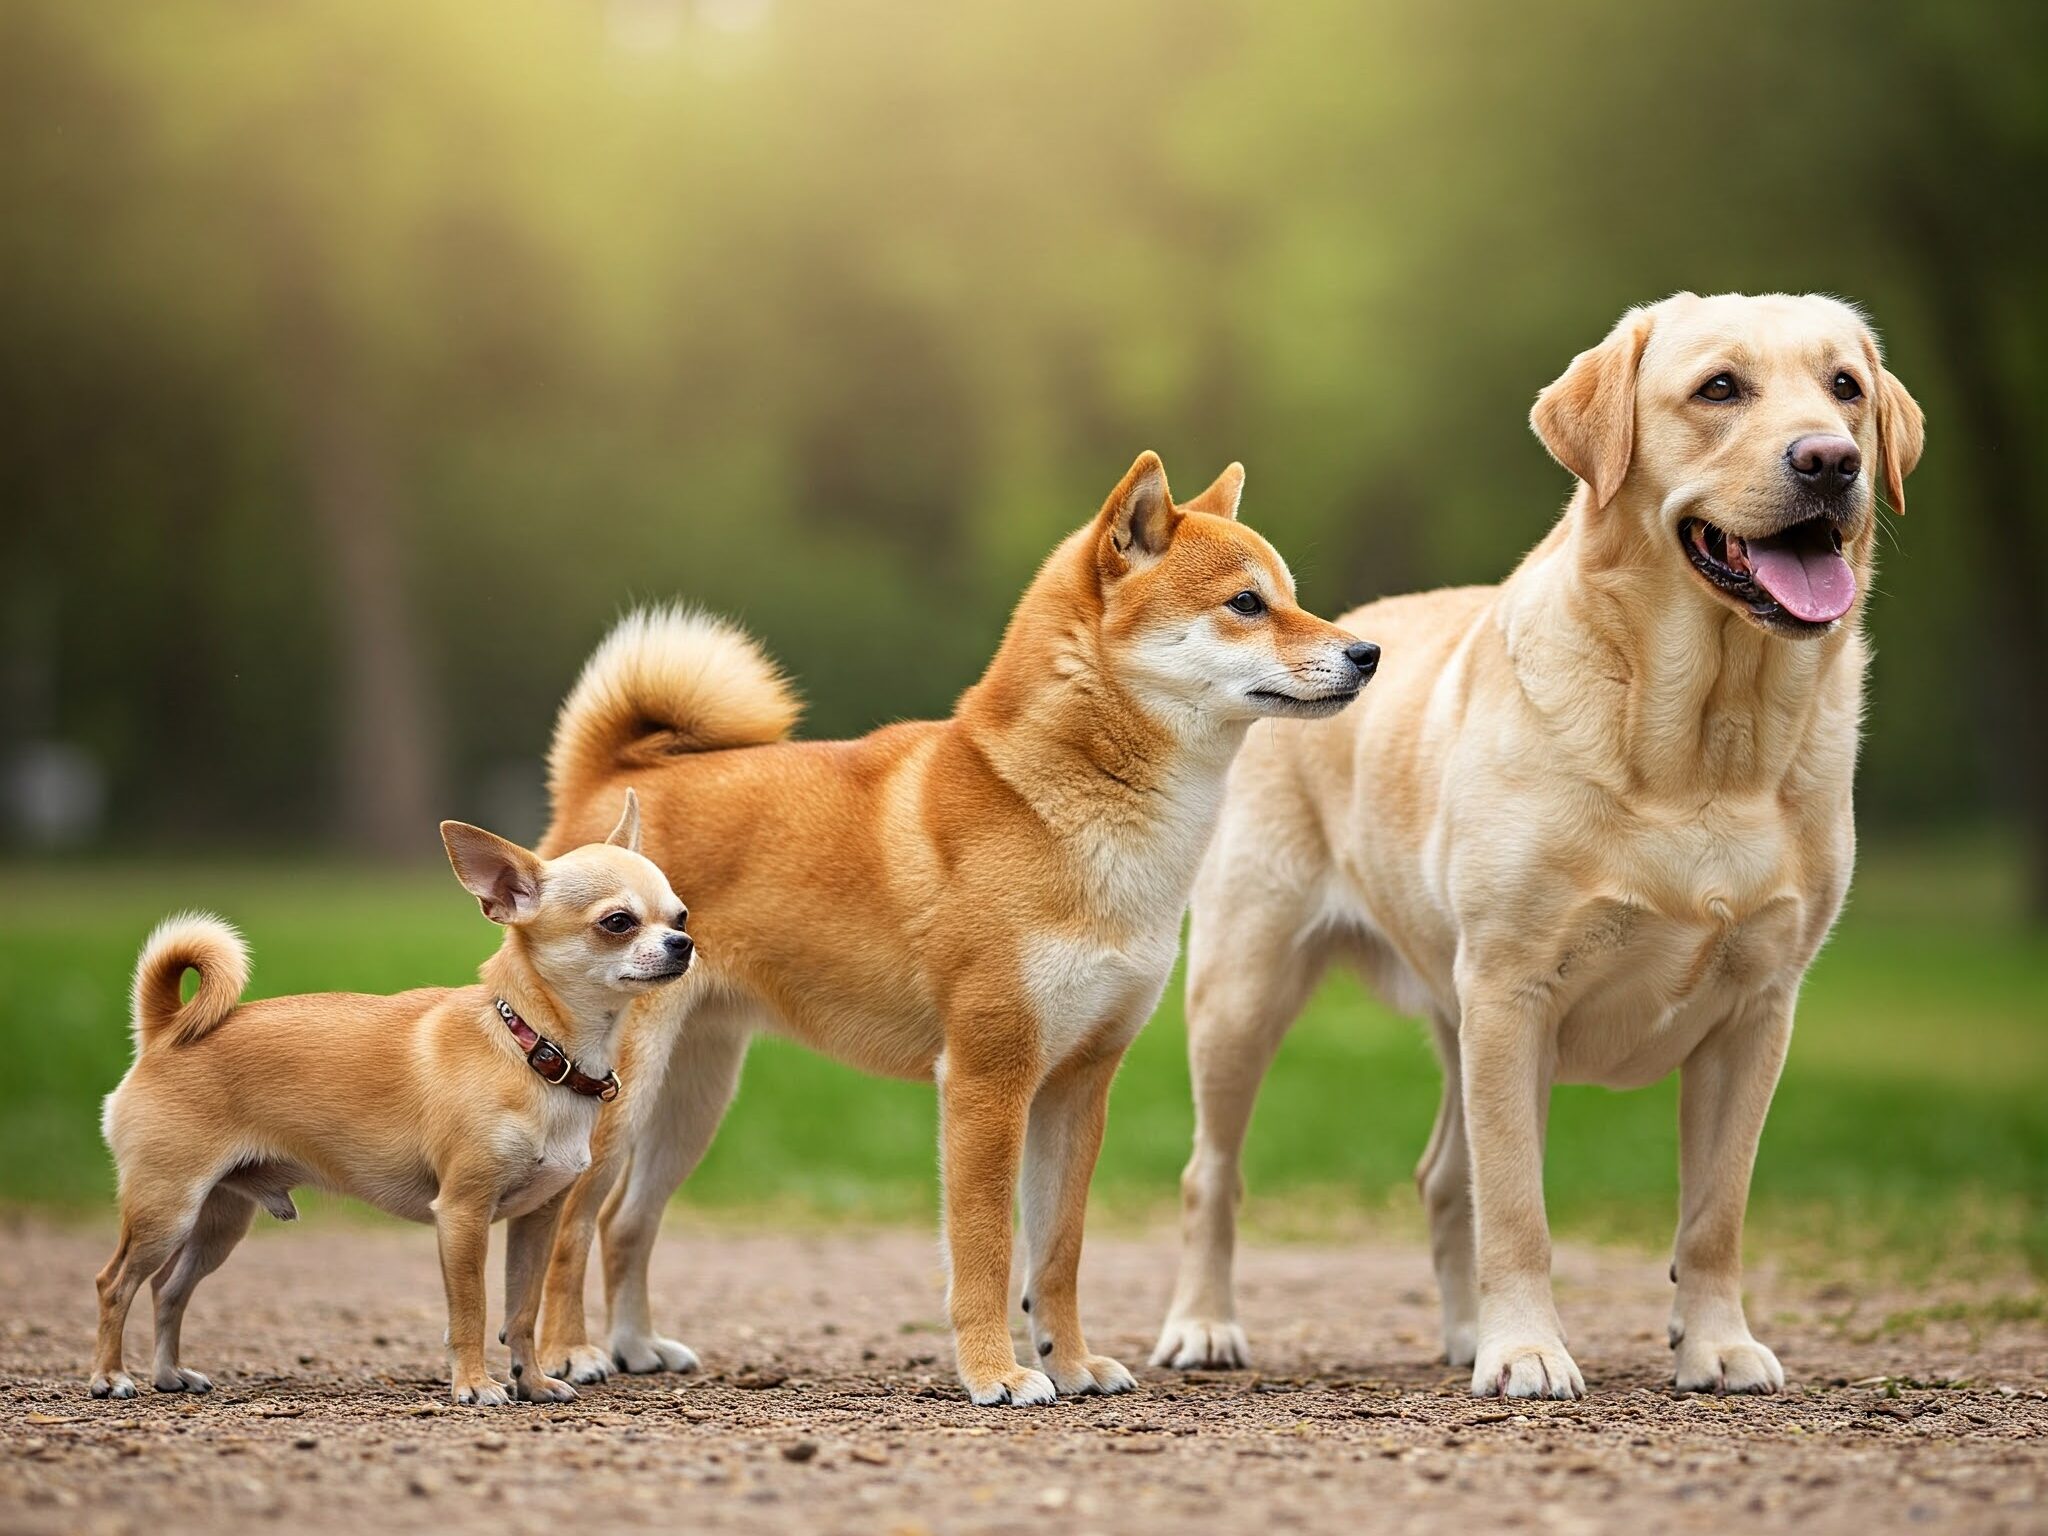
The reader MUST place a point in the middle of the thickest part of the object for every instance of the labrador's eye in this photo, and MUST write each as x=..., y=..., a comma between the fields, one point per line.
x=1846, y=387
x=617, y=922
x=1248, y=603
x=1719, y=389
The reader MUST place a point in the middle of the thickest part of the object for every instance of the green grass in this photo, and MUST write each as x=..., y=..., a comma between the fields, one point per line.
x=1913, y=1114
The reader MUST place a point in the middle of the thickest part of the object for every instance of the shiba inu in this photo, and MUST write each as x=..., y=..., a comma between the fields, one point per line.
x=457, y=1106
x=991, y=901
x=1595, y=831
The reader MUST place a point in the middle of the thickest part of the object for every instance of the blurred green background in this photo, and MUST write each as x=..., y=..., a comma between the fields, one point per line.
x=360, y=361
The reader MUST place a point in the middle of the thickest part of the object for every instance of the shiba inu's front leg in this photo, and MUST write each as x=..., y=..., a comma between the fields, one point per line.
x=1060, y=1147
x=462, y=1222
x=982, y=1111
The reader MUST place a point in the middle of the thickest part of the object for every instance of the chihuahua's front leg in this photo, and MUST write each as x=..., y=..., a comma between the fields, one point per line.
x=462, y=1221
x=528, y=1240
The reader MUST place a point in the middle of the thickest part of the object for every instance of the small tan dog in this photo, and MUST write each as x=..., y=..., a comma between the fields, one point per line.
x=1593, y=825
x=458, y=1106
x=992, y=901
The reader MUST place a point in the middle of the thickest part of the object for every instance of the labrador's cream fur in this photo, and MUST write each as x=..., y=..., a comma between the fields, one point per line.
x=1593, y=823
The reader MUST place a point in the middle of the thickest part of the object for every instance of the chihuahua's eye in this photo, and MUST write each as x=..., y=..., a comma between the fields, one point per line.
x=1719, y=389
x=1846, y=387
x=1248, y=603
x=617, y=922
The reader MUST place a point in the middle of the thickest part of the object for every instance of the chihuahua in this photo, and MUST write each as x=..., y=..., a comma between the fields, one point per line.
x=454, y=1105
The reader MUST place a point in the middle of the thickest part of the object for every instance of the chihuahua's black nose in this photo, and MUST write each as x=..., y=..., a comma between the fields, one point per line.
x=679, y=944
x=1365, y=656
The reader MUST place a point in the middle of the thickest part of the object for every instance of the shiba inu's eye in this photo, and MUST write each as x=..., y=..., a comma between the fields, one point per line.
x=1720, y=389
x=618, y=922
x=1846, y=387
x=1248, y=603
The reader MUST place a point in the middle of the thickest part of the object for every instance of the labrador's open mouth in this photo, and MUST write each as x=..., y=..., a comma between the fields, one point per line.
x=1796, y=578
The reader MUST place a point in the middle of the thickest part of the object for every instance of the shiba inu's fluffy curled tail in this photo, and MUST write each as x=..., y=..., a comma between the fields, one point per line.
x=665, y=681
x=194, y=941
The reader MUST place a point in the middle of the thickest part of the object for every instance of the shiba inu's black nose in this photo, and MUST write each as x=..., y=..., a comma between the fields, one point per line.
x=1365, y=656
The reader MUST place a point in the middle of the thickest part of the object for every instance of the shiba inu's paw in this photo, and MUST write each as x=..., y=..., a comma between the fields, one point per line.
x=1738, y=1364
x=1526, y=1367
x=584, y=1364
x=1019, y=1387
x=117, y=1384
x=484, y=1392
x=537, y=1387
x=1192, y=1344
x=178, y=1379
x=644, y=1355
x=1092, y=1374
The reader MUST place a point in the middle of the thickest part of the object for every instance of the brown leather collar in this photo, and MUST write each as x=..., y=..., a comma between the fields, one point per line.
x=552, y=1062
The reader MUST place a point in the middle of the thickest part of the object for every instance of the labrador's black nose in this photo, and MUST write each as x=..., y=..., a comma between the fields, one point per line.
x=680, y=945
x=1824, y=461
x=1363, y=655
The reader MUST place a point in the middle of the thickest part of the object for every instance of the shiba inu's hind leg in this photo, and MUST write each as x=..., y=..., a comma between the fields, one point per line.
x=155, y=1222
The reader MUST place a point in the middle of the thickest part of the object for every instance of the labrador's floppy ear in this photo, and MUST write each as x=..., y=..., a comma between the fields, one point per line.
x=1901, y=434
x=1138, y=520
x=1221, y=499
x=503, y=877
x=627, y=833
x=1587, y=417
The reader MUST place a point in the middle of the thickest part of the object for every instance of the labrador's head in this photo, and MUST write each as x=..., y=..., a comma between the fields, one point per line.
x=1746, y=437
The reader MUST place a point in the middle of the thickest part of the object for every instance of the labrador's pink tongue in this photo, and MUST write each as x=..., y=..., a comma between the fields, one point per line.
x=1810, y=581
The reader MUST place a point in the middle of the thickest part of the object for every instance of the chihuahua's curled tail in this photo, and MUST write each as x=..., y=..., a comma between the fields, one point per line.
x=187, y=941
x=666, y=681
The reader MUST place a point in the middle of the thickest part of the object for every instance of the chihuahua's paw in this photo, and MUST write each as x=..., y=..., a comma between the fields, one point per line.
x=481, y=1393
x=113, y=1384
x=1092, y=1374
x=1019, y=1387
x=538, y=1387
x=584, y=1364
x=644, y=1355
x=1527, y=1367
x=177, y=1379
x=1726, y=1365
x=1192, y=1344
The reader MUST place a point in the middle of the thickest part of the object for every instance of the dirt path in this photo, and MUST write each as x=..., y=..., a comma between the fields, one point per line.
x=827, y=1405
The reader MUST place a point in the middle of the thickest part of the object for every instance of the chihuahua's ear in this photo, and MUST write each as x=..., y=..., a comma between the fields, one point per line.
x=1587, y=416
x=1221, y=499
x=1137, y=522
x=627, y=833
x=503, y=877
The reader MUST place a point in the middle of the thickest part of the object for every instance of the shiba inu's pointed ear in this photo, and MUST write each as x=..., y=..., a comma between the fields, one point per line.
x=627, y=833
x=1587, y=417
x=1138, y=520
x=1221, y=499
x=503, y=877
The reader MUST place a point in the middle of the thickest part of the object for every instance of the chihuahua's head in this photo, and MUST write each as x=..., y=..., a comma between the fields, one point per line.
x=599, y=920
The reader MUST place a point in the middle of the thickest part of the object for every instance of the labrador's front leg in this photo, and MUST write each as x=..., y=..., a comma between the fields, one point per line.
x=1506, y=1048
x=1725, y=1090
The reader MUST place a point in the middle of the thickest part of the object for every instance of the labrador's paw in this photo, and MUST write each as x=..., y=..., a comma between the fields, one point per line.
x=1737, y=1364
x=1019, y=1387
x=1525, y=1367
x=1461, y=1343
x=1197, y=1344
x=643, y=1355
